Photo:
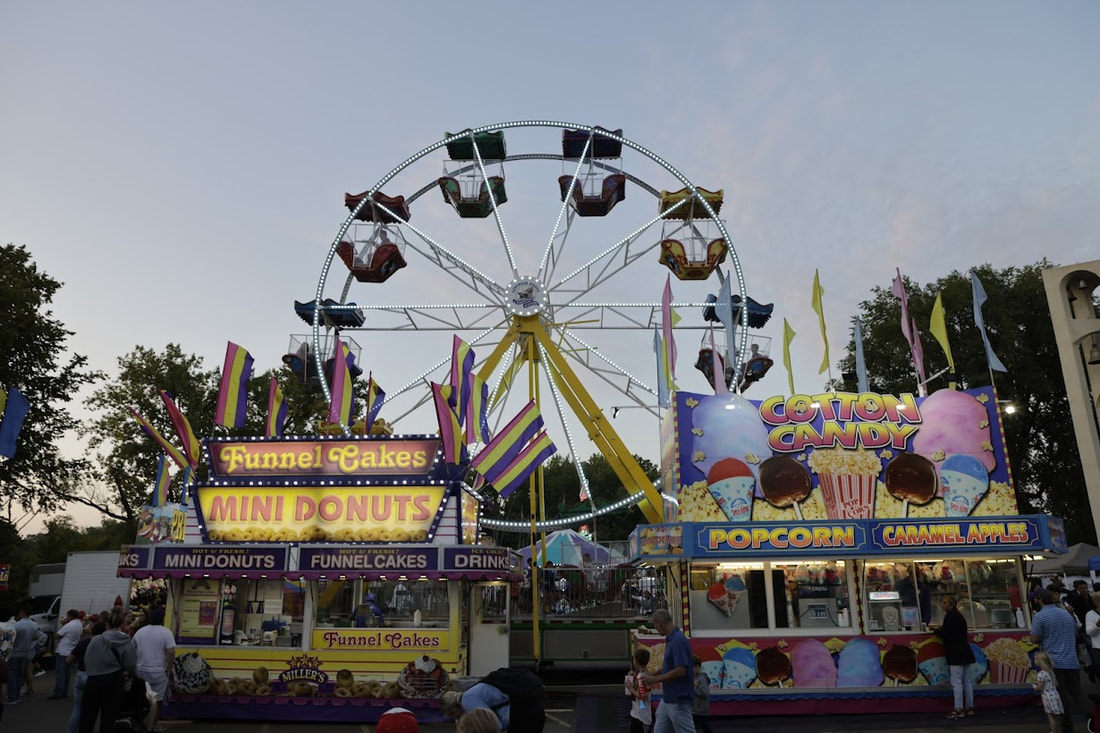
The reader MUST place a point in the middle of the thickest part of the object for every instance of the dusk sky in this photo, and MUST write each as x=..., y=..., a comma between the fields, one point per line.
x=181, y=167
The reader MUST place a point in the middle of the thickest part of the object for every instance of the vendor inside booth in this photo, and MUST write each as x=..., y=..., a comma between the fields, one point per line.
x=357, y=587
x=811, y=540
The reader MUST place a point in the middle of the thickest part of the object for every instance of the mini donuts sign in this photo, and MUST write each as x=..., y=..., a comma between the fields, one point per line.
x=320, y=513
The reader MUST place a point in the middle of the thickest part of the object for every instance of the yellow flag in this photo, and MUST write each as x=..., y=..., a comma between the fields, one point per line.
x=939, y=329
x=788, y=335
x=816, y=302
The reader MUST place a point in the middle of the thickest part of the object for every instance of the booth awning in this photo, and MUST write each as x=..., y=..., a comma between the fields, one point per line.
x=470, y=562
x=1076, y=561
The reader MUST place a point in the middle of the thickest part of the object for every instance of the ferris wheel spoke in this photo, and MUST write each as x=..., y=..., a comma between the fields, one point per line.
x=495, y=208
x=550, y=249
x=556, y=392
x=641, y=394
x=457, y=317
x=610, y=262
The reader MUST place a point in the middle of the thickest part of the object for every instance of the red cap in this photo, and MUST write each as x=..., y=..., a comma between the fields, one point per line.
x=727, y=468
x=397, y=720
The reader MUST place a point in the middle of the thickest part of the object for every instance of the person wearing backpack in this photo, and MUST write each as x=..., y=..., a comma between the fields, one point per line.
x=514, y=695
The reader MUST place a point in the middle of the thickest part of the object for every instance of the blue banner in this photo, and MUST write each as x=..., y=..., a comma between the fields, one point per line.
x=858, y=537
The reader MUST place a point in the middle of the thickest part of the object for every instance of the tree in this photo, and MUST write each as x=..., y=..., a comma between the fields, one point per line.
x=1046, y=467
x=33, y=360
x=561, y=491
x=127, y=458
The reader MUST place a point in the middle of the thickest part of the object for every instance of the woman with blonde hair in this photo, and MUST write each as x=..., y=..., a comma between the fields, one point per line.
x=480, y=720
x=956, y=647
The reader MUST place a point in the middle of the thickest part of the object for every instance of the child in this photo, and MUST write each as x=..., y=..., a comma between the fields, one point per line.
x=1048, y=689
x=641, y=707
x=700, y=707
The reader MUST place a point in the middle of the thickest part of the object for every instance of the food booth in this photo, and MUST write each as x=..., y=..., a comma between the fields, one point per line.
x=809, y=540
x=331, y=579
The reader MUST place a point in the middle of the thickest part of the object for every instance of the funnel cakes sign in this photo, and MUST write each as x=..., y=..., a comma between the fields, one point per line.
x=839, y=456
x=243, y=460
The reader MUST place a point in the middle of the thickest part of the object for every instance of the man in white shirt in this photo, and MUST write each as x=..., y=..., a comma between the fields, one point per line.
x=156, y=656
x=67, y=638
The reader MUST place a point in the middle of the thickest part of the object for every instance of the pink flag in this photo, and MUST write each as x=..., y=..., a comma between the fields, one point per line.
x=918, y=358
x=898, y=289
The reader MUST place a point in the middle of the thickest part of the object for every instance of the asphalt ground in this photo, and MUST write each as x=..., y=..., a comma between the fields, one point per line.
x=589, y=708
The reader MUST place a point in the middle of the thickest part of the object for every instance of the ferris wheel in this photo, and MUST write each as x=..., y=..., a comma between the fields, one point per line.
x=545, y=245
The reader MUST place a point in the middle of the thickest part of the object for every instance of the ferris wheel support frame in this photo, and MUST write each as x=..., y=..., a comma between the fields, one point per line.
x=595, y=422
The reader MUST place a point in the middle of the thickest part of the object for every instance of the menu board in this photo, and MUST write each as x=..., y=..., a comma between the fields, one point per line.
x=199, y=609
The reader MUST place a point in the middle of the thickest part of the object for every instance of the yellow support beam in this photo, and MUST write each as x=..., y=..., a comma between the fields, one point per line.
x=599, y=428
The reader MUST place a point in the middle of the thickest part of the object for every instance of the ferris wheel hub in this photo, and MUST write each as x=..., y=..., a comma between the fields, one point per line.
x=526, y=297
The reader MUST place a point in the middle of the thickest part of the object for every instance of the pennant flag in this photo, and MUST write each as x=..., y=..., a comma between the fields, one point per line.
x=185, y=485
x=375, y=397
x=979, y=299
x=788, y=336
x=160, y=486
x=508, y=443
x=861, y=363
x=938, y=327
x=450, y=431
x=662, y=380
x=172, y=451
x=815, y=300
x=3, y=402
x=918, y=356
x=723, y=308
x=898, y=289
x=191, y=447
x=477, y=411
x=666, y=329
x=16, y=408
x=909, y=329
x=276, y=411
x=533, y=456
x=716, y=364
x=462, y=366
x=339, y=409
x=233, y=394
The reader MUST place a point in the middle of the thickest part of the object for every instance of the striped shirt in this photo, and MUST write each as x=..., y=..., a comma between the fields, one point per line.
x=1056, y=630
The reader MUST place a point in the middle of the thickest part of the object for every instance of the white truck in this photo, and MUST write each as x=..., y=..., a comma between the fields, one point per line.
x=92, y=583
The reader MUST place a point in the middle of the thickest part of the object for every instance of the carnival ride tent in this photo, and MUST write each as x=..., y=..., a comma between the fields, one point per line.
x=568, y=547
x=1078, y=560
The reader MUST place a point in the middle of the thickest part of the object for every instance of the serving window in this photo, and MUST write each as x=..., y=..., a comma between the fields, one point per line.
x=907, y=595
x=241, y=611
x=355, y=603
x=811, y=595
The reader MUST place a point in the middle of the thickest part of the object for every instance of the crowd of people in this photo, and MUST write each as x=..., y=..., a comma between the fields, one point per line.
x=115, y=664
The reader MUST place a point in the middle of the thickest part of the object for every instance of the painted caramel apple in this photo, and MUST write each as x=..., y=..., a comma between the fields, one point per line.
x=911, y=477
x=772, y=666
x=900, y=663
x=784, y=481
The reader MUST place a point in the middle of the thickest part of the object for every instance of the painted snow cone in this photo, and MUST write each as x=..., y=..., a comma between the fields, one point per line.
x=728, y=426
x=717, y=595
x=735, y=588
x=731, y=483
x=740, y=669
x=712, y=664
x=847, y=480
x=933, y=663
x=964, y=481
